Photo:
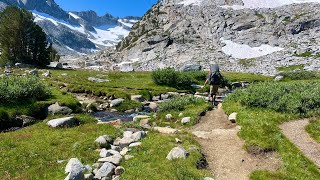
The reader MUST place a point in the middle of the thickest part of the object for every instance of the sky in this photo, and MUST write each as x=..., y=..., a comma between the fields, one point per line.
x=118, y=8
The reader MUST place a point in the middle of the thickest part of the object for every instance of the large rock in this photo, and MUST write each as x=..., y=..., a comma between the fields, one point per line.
x=62, y=122
x=138, y=135
x=75, y=169
x=125, y=141
x=101, y=140
x=177, y=152
x=26, y=120
x=106, y=170
x=57, y=109
x=116, y=102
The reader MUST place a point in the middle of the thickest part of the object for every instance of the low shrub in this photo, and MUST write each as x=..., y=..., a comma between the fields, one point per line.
x=299, y=75
x=179, y=103
x=289, y=97
x=17, y=89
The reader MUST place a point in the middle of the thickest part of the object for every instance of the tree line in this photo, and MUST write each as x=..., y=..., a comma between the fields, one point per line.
x=22, y=40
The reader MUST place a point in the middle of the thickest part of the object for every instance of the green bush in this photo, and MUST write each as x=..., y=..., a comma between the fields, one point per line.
x=179, y=103
x=289, y=97
x=172, y=78
x=18, y=89
x=299, y=75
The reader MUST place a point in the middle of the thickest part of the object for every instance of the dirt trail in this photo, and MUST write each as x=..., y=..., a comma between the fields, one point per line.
x=295, y=132
x=224, y=150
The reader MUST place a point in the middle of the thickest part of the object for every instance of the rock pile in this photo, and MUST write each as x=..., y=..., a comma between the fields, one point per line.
x=111, y=154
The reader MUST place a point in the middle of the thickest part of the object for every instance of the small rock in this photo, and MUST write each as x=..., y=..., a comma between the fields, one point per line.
x=116, y=102
x=138, y=135
x=127, y=157
x=124, y=151
x=178, y=140
x=116, y=148
x=34, y=72
x=115, y=177
x=125, y=141
x=135, y=144
x=127, y=134
x=116, y=142
x=97, y=80
x=177, y=152
x=278, y=78
x=140, y=117
x=57, y=109
x=102, y=142
x=144, y=122
x=137, y=98
x=88, y=176
x=115, y=159
x=75, y=170
x=119, y=170
x=165, y=130
x=168, y=116
x=208, y=178
x=185, y=120
x=46, y=74
x=153, y=106
x=106, y=170
x=233, y=117
x=62, y=122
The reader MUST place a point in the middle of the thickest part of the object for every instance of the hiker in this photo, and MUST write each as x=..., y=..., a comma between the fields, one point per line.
x=214, y=79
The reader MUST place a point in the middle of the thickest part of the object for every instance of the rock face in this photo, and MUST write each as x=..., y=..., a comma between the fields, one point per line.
x=62, y=122
x=174, y=33
x=177, y=152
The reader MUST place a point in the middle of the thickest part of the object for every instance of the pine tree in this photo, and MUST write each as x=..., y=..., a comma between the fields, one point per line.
x=21, y=40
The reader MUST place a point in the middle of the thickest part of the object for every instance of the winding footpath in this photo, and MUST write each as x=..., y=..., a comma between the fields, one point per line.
x=224, y=150
x=296, y=133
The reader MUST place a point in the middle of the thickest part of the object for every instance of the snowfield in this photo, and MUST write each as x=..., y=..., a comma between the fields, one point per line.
x=255, y=4
x=243, y=51
x=191, y=2
x=104, y=36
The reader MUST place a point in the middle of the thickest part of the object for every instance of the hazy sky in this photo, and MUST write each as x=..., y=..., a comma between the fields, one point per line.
x=115, y=7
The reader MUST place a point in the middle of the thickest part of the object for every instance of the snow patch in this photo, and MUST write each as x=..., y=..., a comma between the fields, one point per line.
x=191, y=2
x=74, y=15
x=243, y=51
x=256, y=4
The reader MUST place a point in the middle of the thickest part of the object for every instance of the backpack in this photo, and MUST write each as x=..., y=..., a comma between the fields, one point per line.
x=215, y=78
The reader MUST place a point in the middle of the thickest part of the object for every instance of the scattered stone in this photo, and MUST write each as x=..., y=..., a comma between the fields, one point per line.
x=108, y=138
x=153, y=106
x=113, y=110
x=97, y=165
x=233, y=117
x=137, y=98
x=127, y=134
x=140, y=117
x=146, y=126
x=178, y=140
x=46, y=74
x=75, y=170
x=156, y=98
x=116, y=102
x=124, y=151
x=127, y=157
x=115, y=159
x=34, y=72
x=134, y=130
x=56, y=65
x=116, y=142
x=97, y=80
x=144, y=122
x=130, y=111
x=138, y=135
x=177, y=152
x=278, y=78
x=106, y=170
x=57, y=109
x=62, y=122
x=168, y=116
x=164, y=96
x=115, y=177
x=135, y=144
x=116, y=148
x=88, y=176
x=165, y=130
x=185, y=120
x=102, y=142
x=119, y=170
x=125, y=141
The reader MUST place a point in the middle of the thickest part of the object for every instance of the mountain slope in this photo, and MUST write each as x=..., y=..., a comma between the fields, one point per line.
x=237, y=35
x=74, y=33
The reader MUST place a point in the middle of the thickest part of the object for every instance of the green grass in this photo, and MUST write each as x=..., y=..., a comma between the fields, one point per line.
x=290, y=68
x=259, y=127
x=247, y=62
x=314, y=130
x=236, y=77
x=150, y=161
x=305, y=54
x=32, y=153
